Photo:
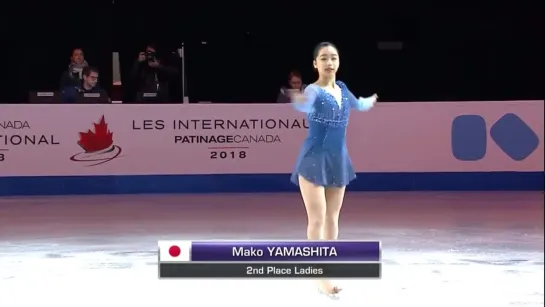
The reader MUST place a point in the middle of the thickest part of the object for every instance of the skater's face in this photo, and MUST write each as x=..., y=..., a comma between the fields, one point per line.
x=327, y=61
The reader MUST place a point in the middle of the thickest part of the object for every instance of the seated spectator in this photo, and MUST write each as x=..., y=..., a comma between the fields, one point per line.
x=295, y=82
x=151, y=75
x=73, y=76
x=89, y=84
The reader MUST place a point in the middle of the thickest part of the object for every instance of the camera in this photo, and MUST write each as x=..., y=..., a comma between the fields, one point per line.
x=150, y=56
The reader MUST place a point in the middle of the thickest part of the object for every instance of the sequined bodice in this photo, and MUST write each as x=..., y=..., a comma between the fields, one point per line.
x=327, y=110
x=328, y=121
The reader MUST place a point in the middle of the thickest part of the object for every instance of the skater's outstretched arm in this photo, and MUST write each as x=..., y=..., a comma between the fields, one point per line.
x=362, y=104
x=304, y=102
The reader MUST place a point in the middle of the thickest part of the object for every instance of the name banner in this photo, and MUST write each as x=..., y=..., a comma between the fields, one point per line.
x=286, y=251
x=269, y=270
x=87, y=140
x=269, y=251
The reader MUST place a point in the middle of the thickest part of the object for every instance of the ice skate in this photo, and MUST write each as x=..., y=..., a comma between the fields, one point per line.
x=330, y=291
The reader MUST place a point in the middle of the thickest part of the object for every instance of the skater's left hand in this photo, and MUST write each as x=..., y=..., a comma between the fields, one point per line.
x=374, y=98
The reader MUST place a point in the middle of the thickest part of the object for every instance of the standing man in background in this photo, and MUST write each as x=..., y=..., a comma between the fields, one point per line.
x=151, y=75
x=73, y=75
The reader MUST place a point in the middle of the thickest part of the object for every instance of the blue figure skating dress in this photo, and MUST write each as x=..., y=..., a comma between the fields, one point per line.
x=324, y=159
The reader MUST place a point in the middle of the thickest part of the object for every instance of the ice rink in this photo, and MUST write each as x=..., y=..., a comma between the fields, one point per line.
x=440, y=249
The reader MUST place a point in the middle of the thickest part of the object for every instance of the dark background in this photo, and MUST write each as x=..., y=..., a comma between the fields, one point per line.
x=242, y=52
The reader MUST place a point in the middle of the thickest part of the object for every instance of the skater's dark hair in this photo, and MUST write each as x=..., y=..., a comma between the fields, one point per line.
x=322, y=45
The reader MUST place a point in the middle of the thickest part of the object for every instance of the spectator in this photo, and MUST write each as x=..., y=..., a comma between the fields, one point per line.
x=73, y=75
x=89, y=84
x=295, y=82
x=151, y=75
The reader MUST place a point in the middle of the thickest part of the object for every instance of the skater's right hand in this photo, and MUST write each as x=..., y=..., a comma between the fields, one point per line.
x=296, y=96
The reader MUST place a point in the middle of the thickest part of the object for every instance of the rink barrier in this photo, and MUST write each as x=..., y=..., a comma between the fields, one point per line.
x=135, y=149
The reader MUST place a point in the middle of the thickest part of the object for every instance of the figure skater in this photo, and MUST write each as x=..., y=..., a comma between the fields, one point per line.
x=323, y=168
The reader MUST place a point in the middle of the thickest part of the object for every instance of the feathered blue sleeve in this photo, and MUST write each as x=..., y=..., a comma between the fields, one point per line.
x=360, y=104
x=307, y=106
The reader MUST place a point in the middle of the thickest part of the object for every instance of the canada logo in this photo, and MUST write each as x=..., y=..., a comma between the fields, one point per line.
x=98, y=146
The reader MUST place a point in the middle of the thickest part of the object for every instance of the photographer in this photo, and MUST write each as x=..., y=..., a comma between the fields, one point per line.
x=153, y=76
x=73, y=76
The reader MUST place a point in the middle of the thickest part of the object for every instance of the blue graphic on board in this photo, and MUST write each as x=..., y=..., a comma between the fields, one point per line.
x=512, y=135
x=468, y=137
x=515, y=138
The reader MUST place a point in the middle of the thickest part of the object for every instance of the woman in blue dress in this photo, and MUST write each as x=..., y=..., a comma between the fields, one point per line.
x=323, y=168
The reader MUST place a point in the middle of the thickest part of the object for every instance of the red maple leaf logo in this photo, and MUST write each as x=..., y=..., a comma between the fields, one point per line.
x=99, y=140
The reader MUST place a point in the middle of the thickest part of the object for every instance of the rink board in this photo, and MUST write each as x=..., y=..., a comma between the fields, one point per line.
x=119, y=149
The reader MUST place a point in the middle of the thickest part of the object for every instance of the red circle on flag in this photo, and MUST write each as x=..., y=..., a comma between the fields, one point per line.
x=174, y=251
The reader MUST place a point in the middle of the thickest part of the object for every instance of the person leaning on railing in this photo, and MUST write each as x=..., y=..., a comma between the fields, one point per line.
x=295, y=82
